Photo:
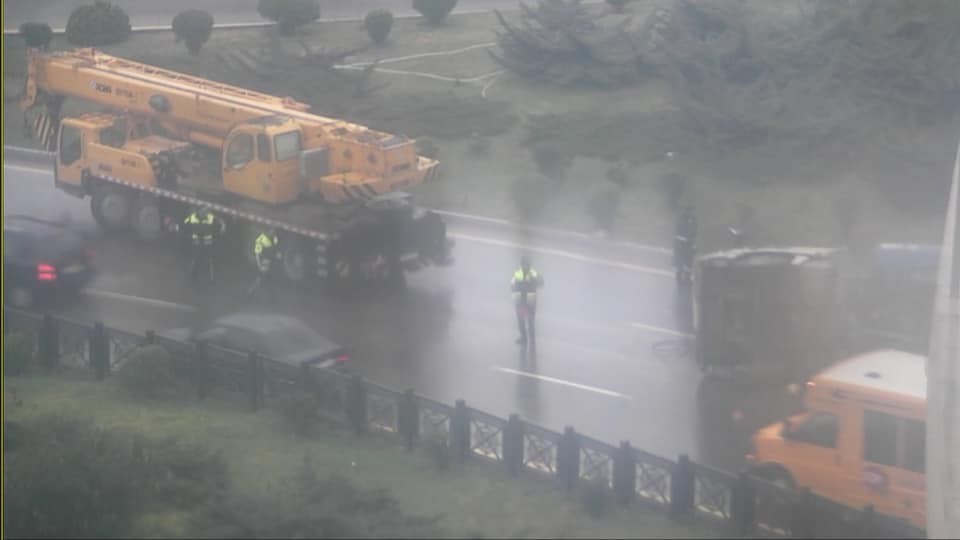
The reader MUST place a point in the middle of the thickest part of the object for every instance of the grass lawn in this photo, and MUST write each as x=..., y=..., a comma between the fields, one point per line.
x=260, y=448
x=798, y=194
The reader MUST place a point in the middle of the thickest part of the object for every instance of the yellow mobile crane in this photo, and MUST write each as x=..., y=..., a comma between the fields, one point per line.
x=169, y=142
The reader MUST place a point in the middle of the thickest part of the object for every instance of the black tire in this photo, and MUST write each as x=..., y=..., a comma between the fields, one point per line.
x=111, y=208
x=147, y=220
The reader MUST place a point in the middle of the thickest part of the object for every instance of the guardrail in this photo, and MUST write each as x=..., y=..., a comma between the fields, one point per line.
x=744, y=505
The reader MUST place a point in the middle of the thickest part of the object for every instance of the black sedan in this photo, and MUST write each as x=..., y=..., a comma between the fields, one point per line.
x=280, y=338
x=42, y=260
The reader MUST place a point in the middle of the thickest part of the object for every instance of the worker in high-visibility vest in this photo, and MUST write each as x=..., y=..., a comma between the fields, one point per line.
x=204, y=229
x=524, y=285
x=266, y=249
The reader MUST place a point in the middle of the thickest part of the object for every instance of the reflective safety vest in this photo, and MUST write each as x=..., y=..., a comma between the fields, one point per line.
x=526, y=282
x=264, y=248
x=201, y=228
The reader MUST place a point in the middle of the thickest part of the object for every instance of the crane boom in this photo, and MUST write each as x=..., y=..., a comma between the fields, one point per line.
x=205, y=112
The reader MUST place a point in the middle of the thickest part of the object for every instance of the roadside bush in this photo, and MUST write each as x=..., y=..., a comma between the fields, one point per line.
x=479, y=145
x=18, y=349
x=617, y=5
x=148, y=373
x=435, y=11
x=595, y=498
x=603, y=203
x=289, y=14
x=100, y=23
x=36, y=35
x=427, y=148
x=74, y=479
x=299, y=409
x=530, y=196
x=552, y=162
x=193, y=27
x=378, y=24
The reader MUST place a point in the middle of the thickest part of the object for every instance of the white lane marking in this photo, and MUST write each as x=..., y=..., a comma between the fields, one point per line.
x=140, y=299
x=661, y=330
x=548, y=230
x=562, y=253
x=27, y=169
x=603, y=391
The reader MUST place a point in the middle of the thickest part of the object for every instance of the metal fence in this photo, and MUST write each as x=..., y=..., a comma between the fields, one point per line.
x=747, y=505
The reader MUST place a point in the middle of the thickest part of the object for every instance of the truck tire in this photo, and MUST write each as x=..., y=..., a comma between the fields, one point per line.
x=147, y=221
x=295, y=259
x=111, y=208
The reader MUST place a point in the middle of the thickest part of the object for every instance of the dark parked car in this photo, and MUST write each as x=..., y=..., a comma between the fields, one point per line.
x=42, y=260
x=280, y=338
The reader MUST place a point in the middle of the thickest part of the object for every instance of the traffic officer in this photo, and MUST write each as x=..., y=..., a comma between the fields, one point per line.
x=204, y=228
x=524, y=285
x=684, y=245
x=265, y=251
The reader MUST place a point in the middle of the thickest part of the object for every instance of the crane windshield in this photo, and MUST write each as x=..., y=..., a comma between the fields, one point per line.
x=287, y=145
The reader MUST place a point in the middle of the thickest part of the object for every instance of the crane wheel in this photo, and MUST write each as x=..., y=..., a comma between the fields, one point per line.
x=147, y=221
x=111, y=208
x=294, y=260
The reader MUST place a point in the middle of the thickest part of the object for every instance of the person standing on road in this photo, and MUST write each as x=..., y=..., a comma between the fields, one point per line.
x=265, y=250
x=684, y=245
x=524, y=285
x=204, y=228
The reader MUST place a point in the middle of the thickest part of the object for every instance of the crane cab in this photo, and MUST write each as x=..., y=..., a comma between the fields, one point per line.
x=261, y=160
x=109, y=145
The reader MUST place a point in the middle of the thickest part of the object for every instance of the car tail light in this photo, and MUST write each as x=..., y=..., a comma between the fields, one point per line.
x=46, y=272
x=342, y=358
x=89, y=253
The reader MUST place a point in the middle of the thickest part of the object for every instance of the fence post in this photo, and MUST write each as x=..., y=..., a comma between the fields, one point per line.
x=460, y=431
x=48, y=343
x=681, y=488
x=408, y=418
x=802, y=522
x=357, y=403
x=100, y=351
x=512, y=450
x=201, y=369
x=256, y=380
x=742, y=506
x=568, y=458
x=624, y=473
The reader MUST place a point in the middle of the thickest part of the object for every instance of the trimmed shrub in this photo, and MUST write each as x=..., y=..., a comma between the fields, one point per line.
x=289, y=14
x=18, y=349
x=148, y=373
x=603, y=203
x=378, y=24
x=435, y=11
x=617, y=5
x=530, y=196
x=36, y=35
x=552, y=161
x=193, y=27
x=100, y=23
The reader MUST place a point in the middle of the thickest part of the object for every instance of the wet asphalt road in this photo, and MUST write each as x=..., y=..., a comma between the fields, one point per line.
x=606, y=311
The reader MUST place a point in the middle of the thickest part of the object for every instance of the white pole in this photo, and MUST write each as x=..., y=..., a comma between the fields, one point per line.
x=943, y=386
